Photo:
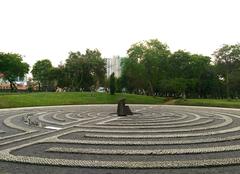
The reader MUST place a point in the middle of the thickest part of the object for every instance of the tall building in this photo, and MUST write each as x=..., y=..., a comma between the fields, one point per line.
x=108, y=66
x=113, y=65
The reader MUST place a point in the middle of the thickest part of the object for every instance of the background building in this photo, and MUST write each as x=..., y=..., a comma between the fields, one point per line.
x=113, y=65
x=21, y=83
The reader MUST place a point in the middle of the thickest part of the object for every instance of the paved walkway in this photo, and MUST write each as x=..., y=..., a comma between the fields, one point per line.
x=92, y=139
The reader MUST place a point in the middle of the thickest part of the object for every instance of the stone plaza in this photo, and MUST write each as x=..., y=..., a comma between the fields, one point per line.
x=93, y=139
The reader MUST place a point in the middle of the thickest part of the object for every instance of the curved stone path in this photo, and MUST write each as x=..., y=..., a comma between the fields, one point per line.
x=154, y=138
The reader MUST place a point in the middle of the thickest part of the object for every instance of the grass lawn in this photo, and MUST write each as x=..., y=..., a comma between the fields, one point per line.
x=12, y=100
x=233, y=103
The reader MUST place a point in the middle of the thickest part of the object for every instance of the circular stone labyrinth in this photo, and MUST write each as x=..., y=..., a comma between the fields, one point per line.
x=93, y=136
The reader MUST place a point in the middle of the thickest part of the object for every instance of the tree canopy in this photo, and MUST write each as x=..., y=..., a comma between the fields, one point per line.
x=12, y=66
x=227, y=61
x=147, y=59
x=112, y=84
x=86, y=70
x=150, y=68
x=41, y=72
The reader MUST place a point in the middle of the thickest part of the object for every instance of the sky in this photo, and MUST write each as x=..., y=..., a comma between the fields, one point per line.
x=40, y=29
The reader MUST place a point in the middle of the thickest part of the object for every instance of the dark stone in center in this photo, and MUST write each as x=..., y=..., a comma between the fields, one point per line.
x=123, y=110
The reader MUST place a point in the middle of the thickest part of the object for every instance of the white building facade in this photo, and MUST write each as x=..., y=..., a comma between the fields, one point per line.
x=113, y=65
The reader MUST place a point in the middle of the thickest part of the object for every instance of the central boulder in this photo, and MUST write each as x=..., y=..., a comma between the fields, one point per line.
x=122, y=109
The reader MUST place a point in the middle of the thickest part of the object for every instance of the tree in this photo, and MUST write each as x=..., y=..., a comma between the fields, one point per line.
x=133, y=75
x=74, y=70
x=112, y=84
x=97, y=64
x=85, y=70
x=191, y=68
x=234, y=79
x=153, y=56
x=179, y=64
x=227, y=60
x=12, y=66
x=41, y=73
x=58, y=75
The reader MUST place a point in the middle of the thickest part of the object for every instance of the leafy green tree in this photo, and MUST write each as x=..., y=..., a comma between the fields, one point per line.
x=189, y=70
x=133, y=75
x=112, y=84
x=58, y=76
x=151, y=67
x=12, y=66
x=97, y=64
x=179, y=64
x=41, y=73
x=85, y=70
x=209, y=84
x=234, y=85
x=74, y=70
x=152, y=55
x=119, y=86
x=227, y=60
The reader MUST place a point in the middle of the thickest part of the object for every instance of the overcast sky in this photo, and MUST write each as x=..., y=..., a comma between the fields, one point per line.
x=50, y=29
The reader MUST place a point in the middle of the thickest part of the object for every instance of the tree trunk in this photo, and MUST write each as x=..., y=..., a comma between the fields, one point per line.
x=184, y=95
x=12, y=85
x=227, y=85
x=151, y=88
x=39, y=86
x=97, y=84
